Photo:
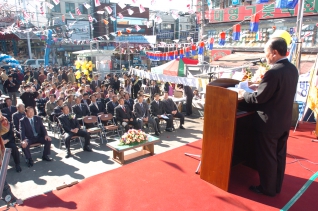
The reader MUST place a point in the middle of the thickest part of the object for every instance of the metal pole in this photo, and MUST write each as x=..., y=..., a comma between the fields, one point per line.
x=201, y=57
x=37, y=15
x=28, y=35
x=299, y=23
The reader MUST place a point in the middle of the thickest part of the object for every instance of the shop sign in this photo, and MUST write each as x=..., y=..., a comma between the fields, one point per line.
x=267, y=11
x=137, y=39
x=217, y=54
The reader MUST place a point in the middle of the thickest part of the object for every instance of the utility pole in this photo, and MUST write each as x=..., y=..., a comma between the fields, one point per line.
x=299, y=23
x=201, y=57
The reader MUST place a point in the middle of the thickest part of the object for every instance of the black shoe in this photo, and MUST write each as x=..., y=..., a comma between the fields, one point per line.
x=157, y=134
x=68, y=154
x=29, y=162
x=46, y=158
x=18, y=168
x=181, y=127
x=168, y=130
x=256, y=189
x=87, y=149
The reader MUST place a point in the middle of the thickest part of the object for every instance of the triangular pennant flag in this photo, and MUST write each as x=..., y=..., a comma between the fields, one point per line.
x=100, y=12
x=56, y=2
x=112, y=18
x=121, y=4
x=128, y=30
x=119, y=33
x=137, y=28
x=141, y=9
x=90, y=19
x=134, y=1
x=26, y=15
x=71, y=16
x=175, y=15
x=49, y=5
x=120, y=16
x=105, y=21
x=109, y=10
x=87, y=6
x=78, y=12
x=113, y=34
x=97, y=3
x=158, y=20
x=148, y=24
x=130, y=11
x=106, y=36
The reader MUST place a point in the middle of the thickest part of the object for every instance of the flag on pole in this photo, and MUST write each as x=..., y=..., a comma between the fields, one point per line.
x=175, y=15
x=254, y=23
x=109, y=10
x=222, y=36
x=87, y=6
x=71, y=15
x=90, y=19
x=121, y=4
x=134, y=1
x=97, y=3
x=128, y=30
x=137, y=28
x=49, y=5
x=26, y=15
x=130, y=11
x=56, y=2
x=211, y=42
x=236, y=32
x=78, y=12
x=120, y=16
x=141, y=9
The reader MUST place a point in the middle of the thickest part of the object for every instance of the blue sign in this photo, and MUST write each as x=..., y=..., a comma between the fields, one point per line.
x=137, y=39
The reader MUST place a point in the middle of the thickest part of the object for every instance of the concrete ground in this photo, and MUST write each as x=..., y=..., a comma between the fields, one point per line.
x=46, y=176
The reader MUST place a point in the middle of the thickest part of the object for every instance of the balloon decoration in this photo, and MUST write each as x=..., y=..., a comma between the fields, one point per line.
x=49, y=42
x=286, y=4
x=283, y=34
x=254, y=23
x=211, y=42
x=10, y=61
x=236, y=32
x=83, y=67
x=222, y=38
x=201, y=48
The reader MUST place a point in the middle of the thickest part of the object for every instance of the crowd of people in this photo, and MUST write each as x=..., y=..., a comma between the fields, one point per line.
x=55, y=95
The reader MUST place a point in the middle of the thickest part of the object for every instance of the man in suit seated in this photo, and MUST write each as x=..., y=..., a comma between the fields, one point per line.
x=33, y=131
x=71, y=128
x=157, y=109
x=9, y=110
x=128, y=101
x=95, y=107
x=154, y=88
x=9, y=142
x=50, y=105
x=69, y=102
x=142, y=114
x=58, y=109
x=125, y=116
x=85, y=100
x=79, y=109
x=16, y=118
x=171, y=108
x=110, y=96
x=111, y=105
x=95, y=83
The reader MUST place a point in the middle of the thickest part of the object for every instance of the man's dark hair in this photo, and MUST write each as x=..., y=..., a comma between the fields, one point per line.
x=63, y=106
x=121, y=98
x=7, y=98
x=29, y=108
x=92, y=95
x=165, y=92
x=278, y=44
x=85, y=94
x=139, y=96
x=156, y=94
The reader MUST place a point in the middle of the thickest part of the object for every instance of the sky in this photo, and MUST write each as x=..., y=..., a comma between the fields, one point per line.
x=162, y=5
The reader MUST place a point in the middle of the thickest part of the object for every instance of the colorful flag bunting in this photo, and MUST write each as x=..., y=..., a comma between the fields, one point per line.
x=201, y=48
x=187, y=51
x=56, y=2
x=128, y=30
x=78, y=12
x=153, y=2
x=175, y=15
x=49, y=5
x=141, y=9
x=109, y=10
x=134, y=1
x=106, y=36
x=26, y=15
x=211, y=42
x=87, y=6
x=121, y=4
x=105, y=21
x=119, y=33
x=194, y=49
x=137, y=28
x=120, y=16
x=254, y=23
x=97, y=3
x=158, y=20
x=130, y=11
x=222, y=37
x=90, y=19
x=41, y=10
x=100, y=12
x=236, y=32
x=112, y=18
x=71, y=15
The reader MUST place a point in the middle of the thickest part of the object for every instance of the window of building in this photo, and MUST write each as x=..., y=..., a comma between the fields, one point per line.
x=82, y=9
x=188, y=27
x=216, y=3
x=56, y=8
x=69, y=7
x=227, y=3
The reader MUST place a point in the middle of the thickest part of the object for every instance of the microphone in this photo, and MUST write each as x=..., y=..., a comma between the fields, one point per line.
x=260, y=60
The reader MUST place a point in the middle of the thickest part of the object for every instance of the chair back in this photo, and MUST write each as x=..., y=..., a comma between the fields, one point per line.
x=106, y=117
x=90, y=119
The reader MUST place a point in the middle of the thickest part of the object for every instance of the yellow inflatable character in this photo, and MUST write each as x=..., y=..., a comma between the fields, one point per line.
x=283, y=34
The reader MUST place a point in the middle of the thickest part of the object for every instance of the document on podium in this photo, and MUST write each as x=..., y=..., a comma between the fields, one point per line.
x=164, y=116
x=244, y=85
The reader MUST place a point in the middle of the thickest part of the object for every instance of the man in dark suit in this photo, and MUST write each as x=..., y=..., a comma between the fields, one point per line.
x=128, y=101
x=95, y=83
x=273, y=101
x=111, y=105
x=33, y=131
x=125, y=116
x=157, y=109
x=28, y=97
x=101, y=100
x=95, y=107
x=58, y=109
x=9, y=142
x=72, y=128
x=16, y=118
x=142, y=114
x=189, y=93
x=154, y=88
x=136, y=86
x=110, y=96
x=11, y=86
x=79, y=109
x=85, y=100
x=171, y=108
x=9, y=110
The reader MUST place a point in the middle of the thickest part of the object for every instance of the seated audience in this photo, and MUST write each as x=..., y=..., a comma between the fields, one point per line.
x=125, y=116
x=128, y=101
x=95, y=107
x=69, y=102
x=16, y=118
x=79, y=109
x=111, y=105
x=171, y=108
x=50, y=105
x=9, y=109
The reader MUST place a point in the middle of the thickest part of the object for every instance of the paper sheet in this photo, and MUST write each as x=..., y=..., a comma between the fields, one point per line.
x=164, y=117
x=244, y=85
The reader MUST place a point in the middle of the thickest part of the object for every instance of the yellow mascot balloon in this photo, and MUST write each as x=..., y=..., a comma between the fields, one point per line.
x=78, y=74
x=283, y=34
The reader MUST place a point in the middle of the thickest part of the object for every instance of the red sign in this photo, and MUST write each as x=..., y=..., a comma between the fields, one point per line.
x=217, y=54
x=265, y=11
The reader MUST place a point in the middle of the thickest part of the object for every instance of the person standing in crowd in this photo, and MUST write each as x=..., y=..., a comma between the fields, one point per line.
x=35, y=74
x=125, y=116
x=157, y=111
x=136, y=86
x=142, y=114
x=33, y=131
x=42, y=76
x=116, y=84
x=36, y=85
x=171, y=108
x=127, y=85
x=20, y=75
x=71, y=76
x=71, y=128
x=12, y=87
x=29, y=96
x=189, y=94
x=9, y=109
x=28, y=78
x=64, y=75
x=95, y=83
x=273, y=100
x=154, y=88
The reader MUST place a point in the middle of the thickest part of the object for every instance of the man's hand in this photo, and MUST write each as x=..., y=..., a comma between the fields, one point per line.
x=254, y=86
x=125, y=120
x=24, y=144
x=75, y=130
x=5, y=141
x=131, y=119
x=48, y=138
x=241, y=93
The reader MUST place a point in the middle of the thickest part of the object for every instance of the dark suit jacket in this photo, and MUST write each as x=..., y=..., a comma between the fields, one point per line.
x=156, y=109
x=274, y=98
x=141, y=112
x=94, y=84
x=80, y=112
x=9, y=135
x=16, y=119
x=188, y=92
x=67, y=123
x=26, y=131
x=110, y=108
x=169, y=106
x=94, y=110
x=121, y=114
x=57, y=111
x=88, y=102
x=7, y=113
x=130, y=104
x=154, y=90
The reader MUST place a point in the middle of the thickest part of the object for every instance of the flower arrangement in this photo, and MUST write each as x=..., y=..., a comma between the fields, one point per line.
x=71, y=116
x=259, y=74
x=132, y=137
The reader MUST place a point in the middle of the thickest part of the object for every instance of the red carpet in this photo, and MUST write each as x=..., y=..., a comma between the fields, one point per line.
x=167, y=182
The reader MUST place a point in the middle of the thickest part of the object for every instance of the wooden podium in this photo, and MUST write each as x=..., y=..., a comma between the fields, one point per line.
x=227, y=136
